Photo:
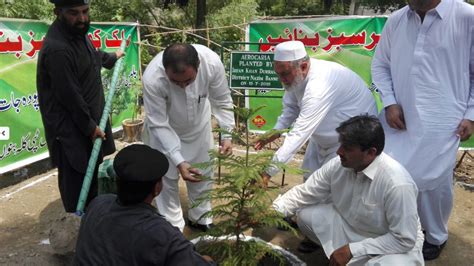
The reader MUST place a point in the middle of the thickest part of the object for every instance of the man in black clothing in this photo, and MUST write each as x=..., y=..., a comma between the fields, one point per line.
x=125, y=229
x=71, y=97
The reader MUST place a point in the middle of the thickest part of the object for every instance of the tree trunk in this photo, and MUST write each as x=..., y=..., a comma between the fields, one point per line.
x=201, y=18
x=200, y=14
x=354, y=7
x=327, y=6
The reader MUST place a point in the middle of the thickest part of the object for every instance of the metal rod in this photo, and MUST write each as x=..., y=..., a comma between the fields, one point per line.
x=283, y=178
x=219, y=162
x=460, y=159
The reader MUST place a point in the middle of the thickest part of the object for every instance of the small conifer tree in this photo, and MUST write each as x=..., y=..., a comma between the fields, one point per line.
x=241, y=201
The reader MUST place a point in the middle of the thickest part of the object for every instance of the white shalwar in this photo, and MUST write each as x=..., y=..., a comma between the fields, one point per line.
x=178, y=123
x=428, y=68
x=374, y=211
x=329, y=95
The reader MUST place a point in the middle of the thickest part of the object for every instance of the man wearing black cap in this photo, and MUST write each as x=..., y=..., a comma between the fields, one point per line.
x=125, y=229
x=71, y=97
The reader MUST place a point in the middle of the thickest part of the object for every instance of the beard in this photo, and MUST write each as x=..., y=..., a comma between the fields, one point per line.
x=419, y=5
x=296, y=82
x=78, y=28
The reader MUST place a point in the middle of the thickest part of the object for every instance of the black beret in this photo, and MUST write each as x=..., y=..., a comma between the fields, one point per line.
x=69, y=3
x=140, y=163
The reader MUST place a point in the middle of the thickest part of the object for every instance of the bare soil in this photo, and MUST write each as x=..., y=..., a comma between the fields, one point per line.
x=28, y=210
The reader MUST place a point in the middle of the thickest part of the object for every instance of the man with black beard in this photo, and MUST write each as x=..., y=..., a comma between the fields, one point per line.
x=71, y=97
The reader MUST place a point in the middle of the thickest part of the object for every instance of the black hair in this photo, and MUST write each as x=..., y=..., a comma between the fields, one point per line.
x=177, y=57
x=364, y=131
x=133, y=192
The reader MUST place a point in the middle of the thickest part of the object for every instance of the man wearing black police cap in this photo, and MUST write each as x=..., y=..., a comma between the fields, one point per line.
x=125, y=229
x=71, y=97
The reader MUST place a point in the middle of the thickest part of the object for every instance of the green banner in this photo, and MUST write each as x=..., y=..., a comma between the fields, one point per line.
x=22, y=138
x=349, y=41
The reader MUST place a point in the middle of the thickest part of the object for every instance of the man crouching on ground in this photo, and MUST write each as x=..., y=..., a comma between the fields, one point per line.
x=361, y=207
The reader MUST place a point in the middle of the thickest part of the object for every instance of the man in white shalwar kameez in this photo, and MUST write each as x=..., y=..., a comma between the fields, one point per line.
x=319, y=95
x=424, y=69
x=181, y=87
x=360, y=207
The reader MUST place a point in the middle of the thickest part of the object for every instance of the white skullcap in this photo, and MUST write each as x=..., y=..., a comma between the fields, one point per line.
x=289, y=51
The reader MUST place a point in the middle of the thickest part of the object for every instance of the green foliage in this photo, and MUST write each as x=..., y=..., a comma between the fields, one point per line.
x=127, y=90
x=291, y=7
x=220, y=14
x=235, y=13
x=384, y=5
x=122, y=11
x=254, y=251
x=303, y=7
x=136, y=89
x=181, y=15
x=28, y=9
x=241, y=201
x=175, y=17
x=145, y=53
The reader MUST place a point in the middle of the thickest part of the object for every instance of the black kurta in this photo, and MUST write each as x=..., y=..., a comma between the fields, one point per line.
x=71, y=101
x=113, y=234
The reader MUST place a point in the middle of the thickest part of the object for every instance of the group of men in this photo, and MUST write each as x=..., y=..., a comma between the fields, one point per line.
x=371, y=187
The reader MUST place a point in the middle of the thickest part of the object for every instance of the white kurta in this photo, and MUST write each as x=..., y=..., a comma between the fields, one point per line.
x=178, y=121
x=427, y=68
x=330, y=94
x=375, y=208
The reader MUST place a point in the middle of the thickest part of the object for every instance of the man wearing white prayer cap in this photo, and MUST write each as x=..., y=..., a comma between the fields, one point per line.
x=319, y=95
x=290, y=51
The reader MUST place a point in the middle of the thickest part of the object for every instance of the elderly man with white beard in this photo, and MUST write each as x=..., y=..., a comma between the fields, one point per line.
x=319, y=95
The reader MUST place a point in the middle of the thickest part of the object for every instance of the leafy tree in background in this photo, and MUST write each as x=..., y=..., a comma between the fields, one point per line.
x=290, y=7
x=27, y=9
x=181, y=15
x=181, y=3
x=383, y=5
x=123, y=10
x=303, y=7
x=233, y=14
x=177, y=14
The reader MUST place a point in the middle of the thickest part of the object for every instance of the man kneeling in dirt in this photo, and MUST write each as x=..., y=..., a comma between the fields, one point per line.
x=360, y=207
x=125, y=229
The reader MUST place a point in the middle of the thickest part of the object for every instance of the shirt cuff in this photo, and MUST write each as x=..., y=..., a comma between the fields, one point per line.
x=176, y=158
x=227, y=135
x=357, y=249
x=389, y=100
x=469, y=114
x=279, y=126
x=90, y=129
x=272, y=170
x=276, y=205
